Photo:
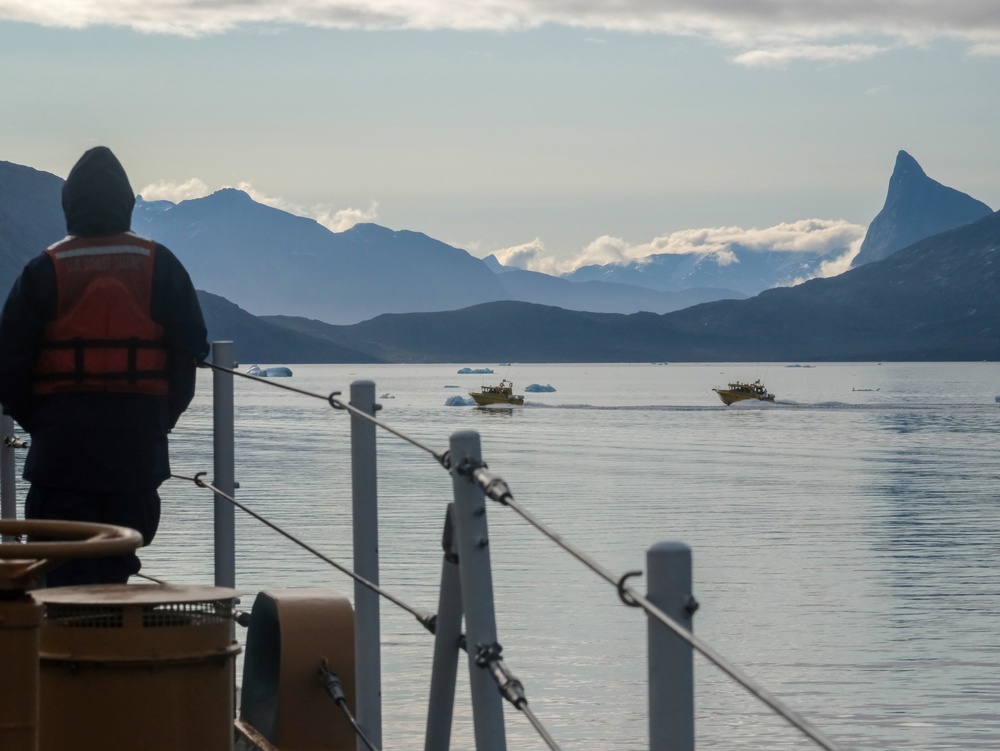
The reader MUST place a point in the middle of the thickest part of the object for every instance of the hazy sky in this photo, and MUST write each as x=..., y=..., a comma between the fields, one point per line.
x=552, y=127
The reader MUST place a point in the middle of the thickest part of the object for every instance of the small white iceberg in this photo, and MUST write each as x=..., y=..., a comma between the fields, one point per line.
x=536, y=388
x=458, y=401
x=477, y=371
x=278, y=372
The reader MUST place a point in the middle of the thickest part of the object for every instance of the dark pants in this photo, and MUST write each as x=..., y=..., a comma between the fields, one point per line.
x=138, y=509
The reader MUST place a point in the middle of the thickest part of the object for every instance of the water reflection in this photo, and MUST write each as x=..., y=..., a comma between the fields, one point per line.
x=934, y=531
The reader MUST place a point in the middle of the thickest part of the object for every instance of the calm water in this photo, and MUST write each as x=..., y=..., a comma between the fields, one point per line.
x=846, y=542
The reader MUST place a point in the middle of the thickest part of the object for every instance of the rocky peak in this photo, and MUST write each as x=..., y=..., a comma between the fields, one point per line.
x=915, y=207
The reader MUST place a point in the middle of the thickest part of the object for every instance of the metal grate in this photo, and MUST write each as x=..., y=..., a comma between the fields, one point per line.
x=84, y=616
x=168, y=615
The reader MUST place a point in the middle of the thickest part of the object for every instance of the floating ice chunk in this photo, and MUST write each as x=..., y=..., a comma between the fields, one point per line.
x=466, y=371
x=458, y=401
x=536, y=388
x=278, y=372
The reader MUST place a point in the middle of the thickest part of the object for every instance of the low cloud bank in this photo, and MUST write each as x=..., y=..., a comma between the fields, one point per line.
x=817, y=236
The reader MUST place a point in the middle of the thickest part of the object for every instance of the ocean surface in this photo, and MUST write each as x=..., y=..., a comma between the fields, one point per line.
x=846, y=539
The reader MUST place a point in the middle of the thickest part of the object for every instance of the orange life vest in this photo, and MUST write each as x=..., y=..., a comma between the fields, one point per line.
x=103, y=337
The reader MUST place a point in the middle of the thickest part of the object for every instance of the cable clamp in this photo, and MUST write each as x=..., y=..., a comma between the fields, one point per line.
x=331, y=682
x=511, y=689
x=468, y=467
x=624, y=596
x=333, y=401
x=200, y=482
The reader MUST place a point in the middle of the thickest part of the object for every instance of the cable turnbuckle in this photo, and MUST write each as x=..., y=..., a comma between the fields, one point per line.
x=488, y=656
x=494, y=486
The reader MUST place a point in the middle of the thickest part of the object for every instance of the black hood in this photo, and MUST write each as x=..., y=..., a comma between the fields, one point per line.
x=97, y=198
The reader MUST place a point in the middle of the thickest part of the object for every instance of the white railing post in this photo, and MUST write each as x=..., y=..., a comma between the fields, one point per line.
x=367, y=631
x=671, y=660
x=223, y=432
x=477, y=589
x=8, y=472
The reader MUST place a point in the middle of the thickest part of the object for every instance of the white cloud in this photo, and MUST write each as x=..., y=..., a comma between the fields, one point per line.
x=817, y=236
x=781, y=56
x=336, y=220
x=985, y=49
x=767, y=32
x=528, y=256
x=343, y=219
x=175, y=192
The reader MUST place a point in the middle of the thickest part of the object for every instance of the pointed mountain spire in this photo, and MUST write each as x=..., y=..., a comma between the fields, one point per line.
x=915, y=207
x=906, y=164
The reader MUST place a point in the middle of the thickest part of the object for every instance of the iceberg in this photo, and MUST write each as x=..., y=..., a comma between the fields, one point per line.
x=477, y=371
x=536, y=388
x=278, y=372
x=458, y=401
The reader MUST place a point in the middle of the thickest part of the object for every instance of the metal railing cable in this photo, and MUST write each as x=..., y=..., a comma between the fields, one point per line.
x=510, y=688
x=332, y=684
x=333, y=401
x=497, y=490
x=425, y=619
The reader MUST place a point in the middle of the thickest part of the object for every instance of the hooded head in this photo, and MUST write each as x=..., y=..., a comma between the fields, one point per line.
x=97, y=198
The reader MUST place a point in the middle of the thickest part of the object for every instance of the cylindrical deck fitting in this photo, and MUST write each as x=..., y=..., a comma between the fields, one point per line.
x=20, y=617
x=136, y=666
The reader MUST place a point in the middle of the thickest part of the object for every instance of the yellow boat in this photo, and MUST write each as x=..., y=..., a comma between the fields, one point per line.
x=502, y=394
x=738, y=391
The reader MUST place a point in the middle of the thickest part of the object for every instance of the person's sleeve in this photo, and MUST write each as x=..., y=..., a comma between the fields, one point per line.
x=176, y=308
x=30, y=305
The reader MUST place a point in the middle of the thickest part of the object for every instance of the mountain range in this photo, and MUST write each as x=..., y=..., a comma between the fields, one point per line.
x=269, y=261
x=372, y=293
x=938, y=299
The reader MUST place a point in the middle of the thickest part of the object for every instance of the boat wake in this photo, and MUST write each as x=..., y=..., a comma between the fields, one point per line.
x=757, y=406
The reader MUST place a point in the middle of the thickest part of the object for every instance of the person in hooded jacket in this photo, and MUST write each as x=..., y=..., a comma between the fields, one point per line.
x=99, y=341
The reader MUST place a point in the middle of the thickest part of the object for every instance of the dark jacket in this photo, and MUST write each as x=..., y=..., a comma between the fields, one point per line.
x=98, y=441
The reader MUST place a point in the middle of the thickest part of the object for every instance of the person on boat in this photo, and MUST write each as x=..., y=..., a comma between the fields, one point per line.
x=99, y=340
